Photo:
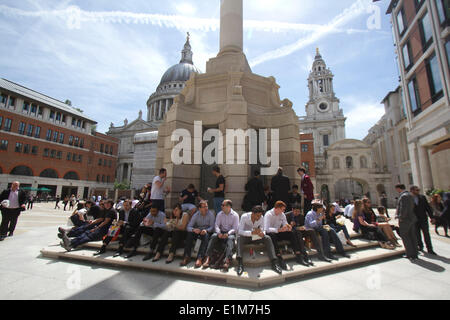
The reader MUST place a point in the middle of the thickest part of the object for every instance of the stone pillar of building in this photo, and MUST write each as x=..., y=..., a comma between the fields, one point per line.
x=58, y=190
x=425, y=169
x=231, y=26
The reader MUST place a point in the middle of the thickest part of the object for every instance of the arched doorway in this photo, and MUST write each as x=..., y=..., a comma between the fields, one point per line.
x=350, y=189
x=22, y=171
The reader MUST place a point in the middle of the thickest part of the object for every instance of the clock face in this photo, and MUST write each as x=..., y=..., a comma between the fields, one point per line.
x=323, y=106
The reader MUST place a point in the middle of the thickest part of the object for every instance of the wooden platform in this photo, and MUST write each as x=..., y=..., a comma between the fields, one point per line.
x=257, y=271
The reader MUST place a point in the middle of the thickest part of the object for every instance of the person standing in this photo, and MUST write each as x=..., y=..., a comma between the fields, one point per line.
x=157, y=193
x=255, y=190
x=280, y=186
x=422, y=211
x=219, y=190
x=407, y=222
x=307, y=189
x=17, y=199
x=384, y=203
x=438, y=209
x=58, y=199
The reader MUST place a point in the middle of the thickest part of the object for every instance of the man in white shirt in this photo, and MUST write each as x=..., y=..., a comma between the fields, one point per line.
x=251, y=230
x=348, y=211
x=17, y=199
x=277, y=228
x=157, y=194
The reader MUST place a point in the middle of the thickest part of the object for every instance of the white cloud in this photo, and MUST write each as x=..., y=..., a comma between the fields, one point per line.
x=361, y=115
x=185, y=8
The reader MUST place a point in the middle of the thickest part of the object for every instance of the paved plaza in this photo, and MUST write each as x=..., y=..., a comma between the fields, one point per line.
x=25, y=274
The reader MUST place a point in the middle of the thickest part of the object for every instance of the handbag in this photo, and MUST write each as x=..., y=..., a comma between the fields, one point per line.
x=342, y=238
x=113, y=232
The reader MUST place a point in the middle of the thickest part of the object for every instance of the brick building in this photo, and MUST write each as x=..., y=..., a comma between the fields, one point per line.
x=45, y=143
x=422, y=38
x=307, y=153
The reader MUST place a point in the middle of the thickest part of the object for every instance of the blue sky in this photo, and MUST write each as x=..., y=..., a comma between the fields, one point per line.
x=108, y=57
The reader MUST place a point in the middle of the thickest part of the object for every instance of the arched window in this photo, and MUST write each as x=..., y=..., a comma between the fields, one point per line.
x=349, y=162
x=22, y=171
x=336, y=163
x=49, y=173
x=363, y=163
x=71, y=175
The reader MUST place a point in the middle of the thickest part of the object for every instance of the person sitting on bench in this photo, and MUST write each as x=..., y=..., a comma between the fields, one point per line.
x=96, y=233
x=251, y=230
x=226, y=226
x=277, y=228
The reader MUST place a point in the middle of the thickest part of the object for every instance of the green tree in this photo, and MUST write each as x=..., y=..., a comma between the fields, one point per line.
x=125, y=185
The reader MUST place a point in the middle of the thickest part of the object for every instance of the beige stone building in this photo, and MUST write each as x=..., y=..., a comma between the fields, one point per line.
x=227, y=96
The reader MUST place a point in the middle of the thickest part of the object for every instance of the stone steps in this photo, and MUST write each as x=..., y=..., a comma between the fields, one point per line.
x=258, y=272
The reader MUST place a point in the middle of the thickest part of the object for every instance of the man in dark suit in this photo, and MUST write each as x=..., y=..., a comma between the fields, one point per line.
x=17, y=199
x=422, y=210
x=407, y=222
x=307, y=190
x=255, y=191
x=280, y=186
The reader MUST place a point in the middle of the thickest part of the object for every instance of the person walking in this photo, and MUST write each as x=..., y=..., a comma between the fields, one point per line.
x=58, y=199
x=307, y=190
x=11, y=209
x=438, y=209
x=407, y=222
x=219, y=190
x=30, y=202
x=422, y=211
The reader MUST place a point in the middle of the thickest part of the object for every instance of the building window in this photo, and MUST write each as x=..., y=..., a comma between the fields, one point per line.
x=12, y=101
x=306, y=165
x=304, y=147
x=74, y=157
x=103, y=178
x=447, y=48
x=426, y=31
x=434, y=78
x=52, y=115
x=37, y=134
x=104, y=163
x=33, y=108
x=80, y=158
x=101, y=147
x=69, y=156
x=18, y=147
x=443, y=8
x=61, y=138
x=363, y=162
x=52, y=153
x=70, y=140
x=406, y=51
x=418, y=4
x=26, y=149
x=30, y=130
x=326, y=141
x=74, y=121
x=107, y=179
x=40, y=111
x=34, y=150
x=111, y=150
x=81, y=143
x=55, y=136
x=8, y=124
x=77, y=140
x=22, y=126
x=79, y=123
x=98, y=178
x=336, y=163
x=410, y=178
x=59, y=155
x=99, y=162
x=58, y=116
x=349, y=162
x=49, y=135
x=110, y=163
x=26, y=106
x=1, y=122
x=106, y=149
x=3, y=98
x=414, y=96
x=4, y=145
x=401, y=21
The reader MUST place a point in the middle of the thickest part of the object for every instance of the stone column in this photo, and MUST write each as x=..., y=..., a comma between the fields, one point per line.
x=231, y=26
x=159, y=109
x=425, y=169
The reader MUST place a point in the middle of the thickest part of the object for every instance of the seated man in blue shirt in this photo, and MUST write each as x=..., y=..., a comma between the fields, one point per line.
x=313, y=221
x=200, y=227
